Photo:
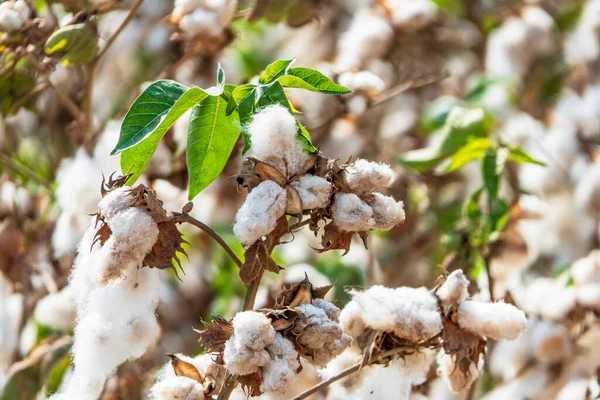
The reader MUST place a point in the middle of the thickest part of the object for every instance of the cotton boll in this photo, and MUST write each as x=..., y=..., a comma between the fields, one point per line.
x=253, y=329
x=351, y=319
x=319, y=329
x=258, y=216
x=411, y=15
x=526, y=385
x=410, y=313
x=451, y=373
x=504, y=56
x=588, y=295
x=549, y=298
x=243, y=360
x=200, y=21
x=576, y=388
x=273, y=132
x=368, y=37
x=494, y=320
x=550, y=341
x=510, y=356
x=363, y=177
x=115, y=201
x=57, y=309
x=357, y=105
x=362, y=81
x=454, y=290
x=325, y=354
x=314, y=191
x=351, y=214
x=177, y=387
x=332, y=312
x=387, y=212
x=277, y=377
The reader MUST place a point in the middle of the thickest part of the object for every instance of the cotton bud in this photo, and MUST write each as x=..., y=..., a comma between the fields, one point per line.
x=245, y=350
x=456, y=379
x=454, y=290
x=258, y=216
x=410, y=313
x=364, y=177
x=387, y=212
x=314, y=191
x=274, y=140
x=351, y=214
x=494, y=320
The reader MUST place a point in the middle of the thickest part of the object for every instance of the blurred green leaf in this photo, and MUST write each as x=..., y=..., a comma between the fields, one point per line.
x=472, y=151
x=491, y=179
x=519, y=156
x=436, y=113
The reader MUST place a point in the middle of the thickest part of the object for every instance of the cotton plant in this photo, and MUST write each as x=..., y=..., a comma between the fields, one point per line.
x=199, y=17
x=14, y=14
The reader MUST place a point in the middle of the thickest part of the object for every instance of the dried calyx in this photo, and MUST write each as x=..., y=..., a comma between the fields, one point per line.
x=169, y=241
x=263, y=347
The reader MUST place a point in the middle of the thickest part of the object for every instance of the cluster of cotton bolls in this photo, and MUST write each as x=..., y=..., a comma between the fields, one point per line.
x=256, y=347
x=115, y=297
x=13, y=15
x=274, y=138
x=203, y=17
x=416, y=317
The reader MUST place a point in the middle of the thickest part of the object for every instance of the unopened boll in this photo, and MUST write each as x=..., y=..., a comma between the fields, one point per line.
x=258, y=216
x=494, y=320
x=351, y=214
x=274, y=140
x=364, y=177
x=314, y=191
x=387, y=212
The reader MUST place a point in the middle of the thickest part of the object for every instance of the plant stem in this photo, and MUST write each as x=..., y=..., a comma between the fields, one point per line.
x=328, y=382
x=182, y=217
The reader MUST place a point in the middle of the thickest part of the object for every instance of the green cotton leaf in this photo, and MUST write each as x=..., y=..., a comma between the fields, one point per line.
x=471, y=208
x=479, y=265
x=275, y=70
x=238, y=94
x=420, y=160
x=499, y=214
x=272, y=94
x=472, y=151
x=220, y=79
x=56, y=374
x=23, y=385
x=519, y=156
x=155, y=110
x=313, y=80
x=304, y=136
x=147, y=121
x=76, y=44
x=246, y=108
x=491, y=180
x=437, y=112
x=211, y=138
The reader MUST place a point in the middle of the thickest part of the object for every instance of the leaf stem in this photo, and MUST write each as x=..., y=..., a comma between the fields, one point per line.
x=183, y=217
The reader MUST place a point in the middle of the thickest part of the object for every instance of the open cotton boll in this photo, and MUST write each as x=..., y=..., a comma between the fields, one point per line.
x=57, y=309
x=258, y=216
x=411, y=15
x=177, y=387
x=588, y=295
x=279, y=374
x=325, y=354
x=549, y=298
x=351, y=319
x=364, y=177
x=454, y=290
x=201, y=21
x=273, y=134
x=508, y=357
x=453, y=376
x=115, y=201
x=332, y=312
x=550, y=341
x=349, y=213
x=253, y=329
x=314, y=191
x=494, y=320
x=387, y=212
x=410, y=313
x=368, y=37
x=364, y=81
x=242, y=360
x=13, y=15
x=319, y=329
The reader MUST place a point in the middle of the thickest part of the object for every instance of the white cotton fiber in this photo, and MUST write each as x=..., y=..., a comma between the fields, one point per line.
x=494, y=320
x=387, y=212
x=349, y=213
x=364, y=177
x=314, y=191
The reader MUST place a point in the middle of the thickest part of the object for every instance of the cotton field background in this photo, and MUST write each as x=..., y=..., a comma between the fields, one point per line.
x=299, y=199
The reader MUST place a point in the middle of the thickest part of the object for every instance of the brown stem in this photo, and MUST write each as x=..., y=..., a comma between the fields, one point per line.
x=182, y=217
x=327, y=382
x=228, y=386
x=251, y=292
x=403, y=87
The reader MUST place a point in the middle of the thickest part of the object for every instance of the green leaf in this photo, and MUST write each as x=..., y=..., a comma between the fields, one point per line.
x=56, y=374
x=420, y=160
x=474, y=150
x=310, y=79
x=519, y=156
x=491, y=180
x=275, y=70
x=499, y=214
x=238, y=94
x=211, y=138
x=76, y=44
x=246, y=108
x=220, y=79
x=304, y=136
x=437, y=112
x=154, y=111
x=471, y=208
x=23, y=384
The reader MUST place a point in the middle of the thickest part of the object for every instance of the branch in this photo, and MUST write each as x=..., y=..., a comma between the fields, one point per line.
x=408, y=85
x=120, y=29
x=184, y=217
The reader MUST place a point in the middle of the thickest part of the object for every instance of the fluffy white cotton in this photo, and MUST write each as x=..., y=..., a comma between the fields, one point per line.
x=332, y=312
x=177, y=387
x=245, y=350
x=57, y=309
x=581, y=44
x=273, y=133
x=351, y=214
x=411, y=15
x=363, y=81
x=314, y=191
x=13, y=15
x=368, y=37
x=279, y=374
x=550, y=341
x=351, y=319
x=408, y=312
x=451, y=374
x=454, y=290
x=204, y=17
x=549, y=298
x=387, y=212
x=258, y=216
x=364, y=177
x=588, y=295
x=494, y=320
